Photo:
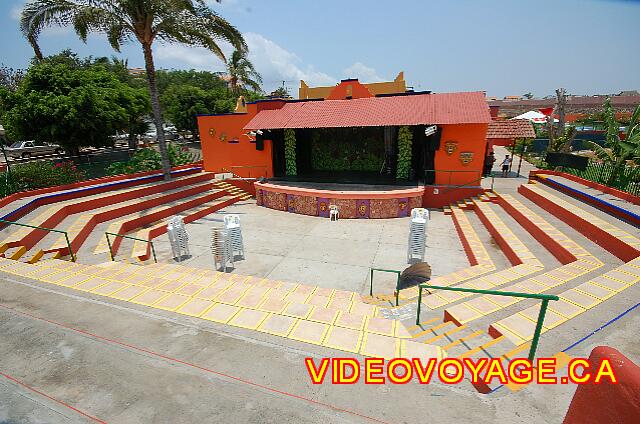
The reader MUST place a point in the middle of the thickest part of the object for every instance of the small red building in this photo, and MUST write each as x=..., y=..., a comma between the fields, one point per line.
x=505, y=132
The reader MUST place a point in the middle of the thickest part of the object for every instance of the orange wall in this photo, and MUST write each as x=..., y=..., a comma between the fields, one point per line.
x=218, y=154
x=470, y=138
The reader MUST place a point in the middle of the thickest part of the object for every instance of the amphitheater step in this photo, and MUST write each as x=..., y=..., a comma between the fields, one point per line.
x=328, y=317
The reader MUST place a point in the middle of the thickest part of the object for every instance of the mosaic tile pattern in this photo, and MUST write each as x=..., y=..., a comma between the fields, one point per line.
x=273, y=200
x=306, y=205
x=384, y=208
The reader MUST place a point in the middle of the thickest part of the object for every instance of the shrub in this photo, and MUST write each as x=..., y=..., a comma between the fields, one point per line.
x=149, y=159
x=39, y=174
x=290, y=151
x=404, y=153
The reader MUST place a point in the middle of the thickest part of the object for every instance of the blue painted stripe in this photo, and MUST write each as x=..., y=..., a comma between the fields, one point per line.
x=602, y=327
x=93, y=188
x=608, y=323
x=623, y=211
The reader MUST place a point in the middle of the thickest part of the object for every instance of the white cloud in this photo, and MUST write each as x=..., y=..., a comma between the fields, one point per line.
x=275, y=63
x=181, y=56
x=362, y=72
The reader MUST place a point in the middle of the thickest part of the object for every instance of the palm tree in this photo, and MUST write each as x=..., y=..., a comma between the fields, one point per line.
x=189, y=22
x=241, y=73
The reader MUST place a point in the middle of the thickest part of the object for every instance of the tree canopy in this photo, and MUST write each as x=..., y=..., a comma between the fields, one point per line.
x=71, y=106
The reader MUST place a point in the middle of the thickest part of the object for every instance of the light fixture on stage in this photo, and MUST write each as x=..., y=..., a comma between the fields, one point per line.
x=430, y=130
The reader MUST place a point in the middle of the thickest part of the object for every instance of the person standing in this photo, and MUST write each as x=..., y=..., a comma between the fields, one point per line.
x=505, y=166
x=488, y=164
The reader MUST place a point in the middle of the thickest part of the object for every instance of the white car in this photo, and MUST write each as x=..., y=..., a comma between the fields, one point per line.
x=27, y=149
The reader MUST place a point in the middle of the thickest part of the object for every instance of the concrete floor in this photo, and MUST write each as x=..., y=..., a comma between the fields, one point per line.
x=298, y=248
x=124, y=363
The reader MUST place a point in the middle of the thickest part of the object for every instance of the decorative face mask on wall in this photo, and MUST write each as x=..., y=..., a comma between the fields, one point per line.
x=450, y=147
x=466, y=157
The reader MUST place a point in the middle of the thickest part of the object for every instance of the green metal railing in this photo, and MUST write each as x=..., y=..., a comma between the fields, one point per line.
x=543, y=308
x=107, y=234
x=66, y=236
x=627, y=178
x=390, y=271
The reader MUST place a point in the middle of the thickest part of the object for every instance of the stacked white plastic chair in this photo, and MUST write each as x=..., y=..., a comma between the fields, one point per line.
x=178, y=238
x=417, y=235
x=232, y=225
x=221, y=248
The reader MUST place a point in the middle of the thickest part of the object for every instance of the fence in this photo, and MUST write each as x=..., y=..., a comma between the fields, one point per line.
x=543, y=307
x=123, y=236
x=627, y=179
x=49, y=230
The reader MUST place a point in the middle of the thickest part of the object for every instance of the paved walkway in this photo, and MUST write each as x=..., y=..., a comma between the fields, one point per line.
x=298, y=248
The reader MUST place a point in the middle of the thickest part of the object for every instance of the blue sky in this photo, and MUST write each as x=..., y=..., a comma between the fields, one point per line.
x=501, y=47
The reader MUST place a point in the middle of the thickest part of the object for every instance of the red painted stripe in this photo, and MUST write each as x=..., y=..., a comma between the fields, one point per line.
x=594, y=233
x=16, y=196
x=473, y=261
x=66, y=405
x=506, y=248
x=557, y=250
x=188, y=364
x=603, y=188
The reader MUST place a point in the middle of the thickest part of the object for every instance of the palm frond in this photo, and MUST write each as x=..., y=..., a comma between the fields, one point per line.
x=601, y=153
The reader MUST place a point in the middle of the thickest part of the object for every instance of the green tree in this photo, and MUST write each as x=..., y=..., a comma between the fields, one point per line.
x=70, y=107
x=618, y=150
x=281, y=92
x=241, y=73
x=189, y=22
x=182, y=104
x=202, y=79
x=188, y=93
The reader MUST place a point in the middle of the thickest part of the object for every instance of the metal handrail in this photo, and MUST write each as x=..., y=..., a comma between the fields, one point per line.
x=451, y=188
x=107, y=234
x=238, y=176
x=391, y=271
x=246, y=166
x=66, y=236
x=543, y=308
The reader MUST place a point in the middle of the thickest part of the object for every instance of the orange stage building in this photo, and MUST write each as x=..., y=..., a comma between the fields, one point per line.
x=374, y=150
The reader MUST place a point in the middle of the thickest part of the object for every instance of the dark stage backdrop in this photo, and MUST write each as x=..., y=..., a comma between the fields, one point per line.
x=347, y=149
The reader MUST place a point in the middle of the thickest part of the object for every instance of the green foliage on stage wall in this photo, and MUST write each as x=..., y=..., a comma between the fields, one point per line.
x=404, y=153
x=347, y=149
x=290, y=151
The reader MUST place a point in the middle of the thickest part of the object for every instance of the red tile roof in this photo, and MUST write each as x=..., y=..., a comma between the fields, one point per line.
x=511, y=128
x=442, y=108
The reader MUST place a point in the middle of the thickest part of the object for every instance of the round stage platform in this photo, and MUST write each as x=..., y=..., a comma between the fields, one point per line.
x=352, y=200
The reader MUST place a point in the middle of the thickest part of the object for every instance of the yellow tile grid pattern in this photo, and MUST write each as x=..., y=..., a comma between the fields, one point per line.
x=572, y=303
x=253, y=303
x=487, y=304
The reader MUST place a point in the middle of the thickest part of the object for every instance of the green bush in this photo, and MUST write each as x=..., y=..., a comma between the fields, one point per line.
x=149, y=159
x=39, y=174
x=290, y=151
x=404, y=153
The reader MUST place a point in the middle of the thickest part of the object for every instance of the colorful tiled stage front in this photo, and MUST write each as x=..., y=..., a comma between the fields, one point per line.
x=351, y=204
